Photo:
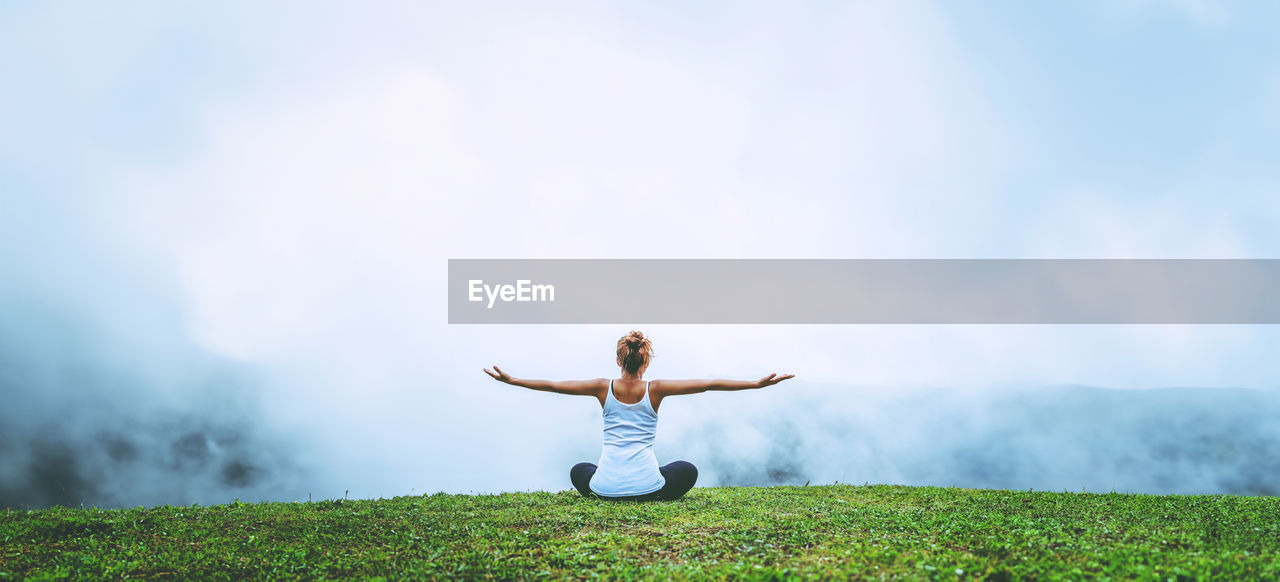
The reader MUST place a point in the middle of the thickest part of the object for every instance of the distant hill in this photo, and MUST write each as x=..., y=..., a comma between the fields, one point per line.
x=1168, y=440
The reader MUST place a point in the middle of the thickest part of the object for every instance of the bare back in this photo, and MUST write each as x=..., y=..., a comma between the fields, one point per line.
x=631, y=391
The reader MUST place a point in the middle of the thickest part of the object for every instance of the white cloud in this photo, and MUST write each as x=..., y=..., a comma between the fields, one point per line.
x=311, y=233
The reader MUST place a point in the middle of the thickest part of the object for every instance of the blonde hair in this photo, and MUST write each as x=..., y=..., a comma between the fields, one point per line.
x=634, y=352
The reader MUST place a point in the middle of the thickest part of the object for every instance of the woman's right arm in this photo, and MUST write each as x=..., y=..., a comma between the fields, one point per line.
x=675, y=387
x=575, y=387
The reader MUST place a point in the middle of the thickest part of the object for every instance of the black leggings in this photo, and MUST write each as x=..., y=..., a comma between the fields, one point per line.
x=680, y=476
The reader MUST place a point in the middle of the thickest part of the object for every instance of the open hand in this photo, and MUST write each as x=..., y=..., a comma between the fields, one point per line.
x=499, y=375
x=772, y=379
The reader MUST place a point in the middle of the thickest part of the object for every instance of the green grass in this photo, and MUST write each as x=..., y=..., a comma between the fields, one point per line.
x=771, y=533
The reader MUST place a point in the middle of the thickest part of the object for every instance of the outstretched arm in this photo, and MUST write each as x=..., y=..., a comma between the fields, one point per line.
x=575, y=387
x=674, y=387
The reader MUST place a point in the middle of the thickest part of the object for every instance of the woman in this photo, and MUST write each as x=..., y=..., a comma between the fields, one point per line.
x=628, y=468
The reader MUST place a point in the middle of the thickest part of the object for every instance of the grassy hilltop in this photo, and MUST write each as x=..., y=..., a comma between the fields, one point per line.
x=733, y=532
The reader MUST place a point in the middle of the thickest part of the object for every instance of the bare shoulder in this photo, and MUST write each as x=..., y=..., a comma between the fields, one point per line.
x=592, y=387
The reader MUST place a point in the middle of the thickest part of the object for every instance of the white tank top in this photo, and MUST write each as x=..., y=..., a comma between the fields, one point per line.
x=627, y=464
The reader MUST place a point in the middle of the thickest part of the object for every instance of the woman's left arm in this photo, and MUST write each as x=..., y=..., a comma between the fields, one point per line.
x=574, y=387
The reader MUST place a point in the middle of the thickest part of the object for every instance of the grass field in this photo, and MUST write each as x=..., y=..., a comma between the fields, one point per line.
x=877, y=531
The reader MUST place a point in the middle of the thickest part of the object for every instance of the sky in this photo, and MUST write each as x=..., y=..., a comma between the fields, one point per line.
x=224, y=229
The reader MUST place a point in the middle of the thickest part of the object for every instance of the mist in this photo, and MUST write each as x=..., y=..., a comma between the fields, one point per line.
x=1055, y=438
x=225, y=239
x=106, y=401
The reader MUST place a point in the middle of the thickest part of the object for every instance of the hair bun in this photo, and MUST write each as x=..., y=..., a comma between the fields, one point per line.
x=634, y=351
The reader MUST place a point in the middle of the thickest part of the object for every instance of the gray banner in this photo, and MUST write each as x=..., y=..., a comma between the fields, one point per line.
x=634, y=291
